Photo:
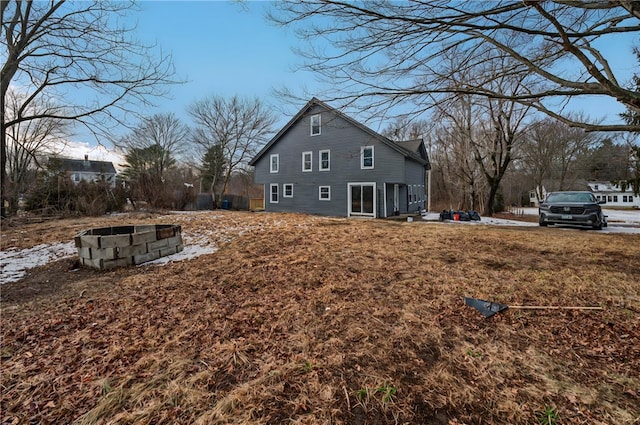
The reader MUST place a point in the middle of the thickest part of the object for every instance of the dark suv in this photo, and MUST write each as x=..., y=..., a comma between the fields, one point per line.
x=572, y=208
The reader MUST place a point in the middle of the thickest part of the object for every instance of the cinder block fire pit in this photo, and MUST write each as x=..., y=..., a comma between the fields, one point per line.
x=121, y=246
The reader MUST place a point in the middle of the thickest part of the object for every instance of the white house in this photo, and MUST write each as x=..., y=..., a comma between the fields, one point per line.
x=535, y=194
x=613, y=194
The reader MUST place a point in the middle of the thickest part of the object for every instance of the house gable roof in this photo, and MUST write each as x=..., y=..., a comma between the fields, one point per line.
x=85, y=166
x=409, y=149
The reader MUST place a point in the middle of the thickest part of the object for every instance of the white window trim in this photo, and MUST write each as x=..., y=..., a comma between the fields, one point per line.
x=328, y=151
x=409, y=187
x=362, y=149
x=319, y=125
x=320, y=193
x=284, y=190
x=277, y=168
x=350, y=213
x=310, y=162
x=271, y=186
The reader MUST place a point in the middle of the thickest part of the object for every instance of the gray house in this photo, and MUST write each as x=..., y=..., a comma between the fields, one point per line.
x=323, y=162
x=86, y=170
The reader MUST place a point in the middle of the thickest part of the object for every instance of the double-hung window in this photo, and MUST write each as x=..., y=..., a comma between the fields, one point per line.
x=307, y=161
x=274, y=163
x=315, y=124
x=366, y=157
x=324, y=193
x=287, y=190
x=273, y=195
x=325, y=160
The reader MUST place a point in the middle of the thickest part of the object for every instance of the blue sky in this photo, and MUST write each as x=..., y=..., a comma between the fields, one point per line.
x=228, y=48
x=222, y=48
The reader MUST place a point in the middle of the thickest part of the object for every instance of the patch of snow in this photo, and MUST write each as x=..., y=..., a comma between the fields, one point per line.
x=14, y=263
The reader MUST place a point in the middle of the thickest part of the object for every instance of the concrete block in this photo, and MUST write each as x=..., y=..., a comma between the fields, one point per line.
x=105, y=254
x=131, y=250
x=84, y=252
x=120, y=262
x=179, y=247
x=176, y=240
x=115, y=241
x=143, y=228
x=78, y=241
x=168, y=251
x=96, y=263
x=88, y=241
x=143, y=238
x=153, y=255
x=159, y=244
x=165, y=233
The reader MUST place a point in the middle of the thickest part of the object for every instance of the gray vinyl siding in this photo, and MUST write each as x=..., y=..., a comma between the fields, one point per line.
x=344, y=140
x=415, y=175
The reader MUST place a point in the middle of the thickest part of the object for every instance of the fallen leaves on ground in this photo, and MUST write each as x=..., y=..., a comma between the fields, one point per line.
x=311, y=320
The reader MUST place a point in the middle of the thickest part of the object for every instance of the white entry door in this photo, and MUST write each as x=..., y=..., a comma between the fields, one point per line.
x=362, y=199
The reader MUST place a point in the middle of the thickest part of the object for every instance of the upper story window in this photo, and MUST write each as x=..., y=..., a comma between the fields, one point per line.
x=325, y=160
x=366, y=157
x=315, y=124
x=307, y=161
x=595, y=187
x=275, y=163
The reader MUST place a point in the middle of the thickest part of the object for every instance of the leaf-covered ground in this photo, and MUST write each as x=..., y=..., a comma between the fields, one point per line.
x=310, y=320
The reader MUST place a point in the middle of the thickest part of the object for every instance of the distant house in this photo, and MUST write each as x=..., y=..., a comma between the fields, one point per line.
x=613, y=194
x=324, y=162
x=537, y=195
x=86, y=170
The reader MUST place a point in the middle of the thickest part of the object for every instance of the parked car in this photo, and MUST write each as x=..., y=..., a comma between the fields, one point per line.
x=572, y=208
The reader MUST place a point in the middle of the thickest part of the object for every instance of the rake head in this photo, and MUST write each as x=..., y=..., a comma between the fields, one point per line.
x=487, y=308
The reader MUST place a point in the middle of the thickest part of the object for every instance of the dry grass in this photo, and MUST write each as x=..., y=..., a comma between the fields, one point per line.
x=310, y=320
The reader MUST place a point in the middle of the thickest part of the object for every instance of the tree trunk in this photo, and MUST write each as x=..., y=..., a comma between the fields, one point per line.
x=3, y=162
x=493, y=190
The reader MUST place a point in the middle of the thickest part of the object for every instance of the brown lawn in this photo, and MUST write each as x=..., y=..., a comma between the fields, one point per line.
x=310, y=320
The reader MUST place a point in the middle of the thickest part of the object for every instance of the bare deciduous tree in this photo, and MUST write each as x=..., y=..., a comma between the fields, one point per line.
x=237, y=125
x=27, y=142
x=390, y=52
x=551, y=153
x=151, y=150
x=405, y=128
x=55, y=47
x=460, y=180
x=490, y=129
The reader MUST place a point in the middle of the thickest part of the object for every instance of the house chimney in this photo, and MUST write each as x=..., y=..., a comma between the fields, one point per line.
x=86, y=157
